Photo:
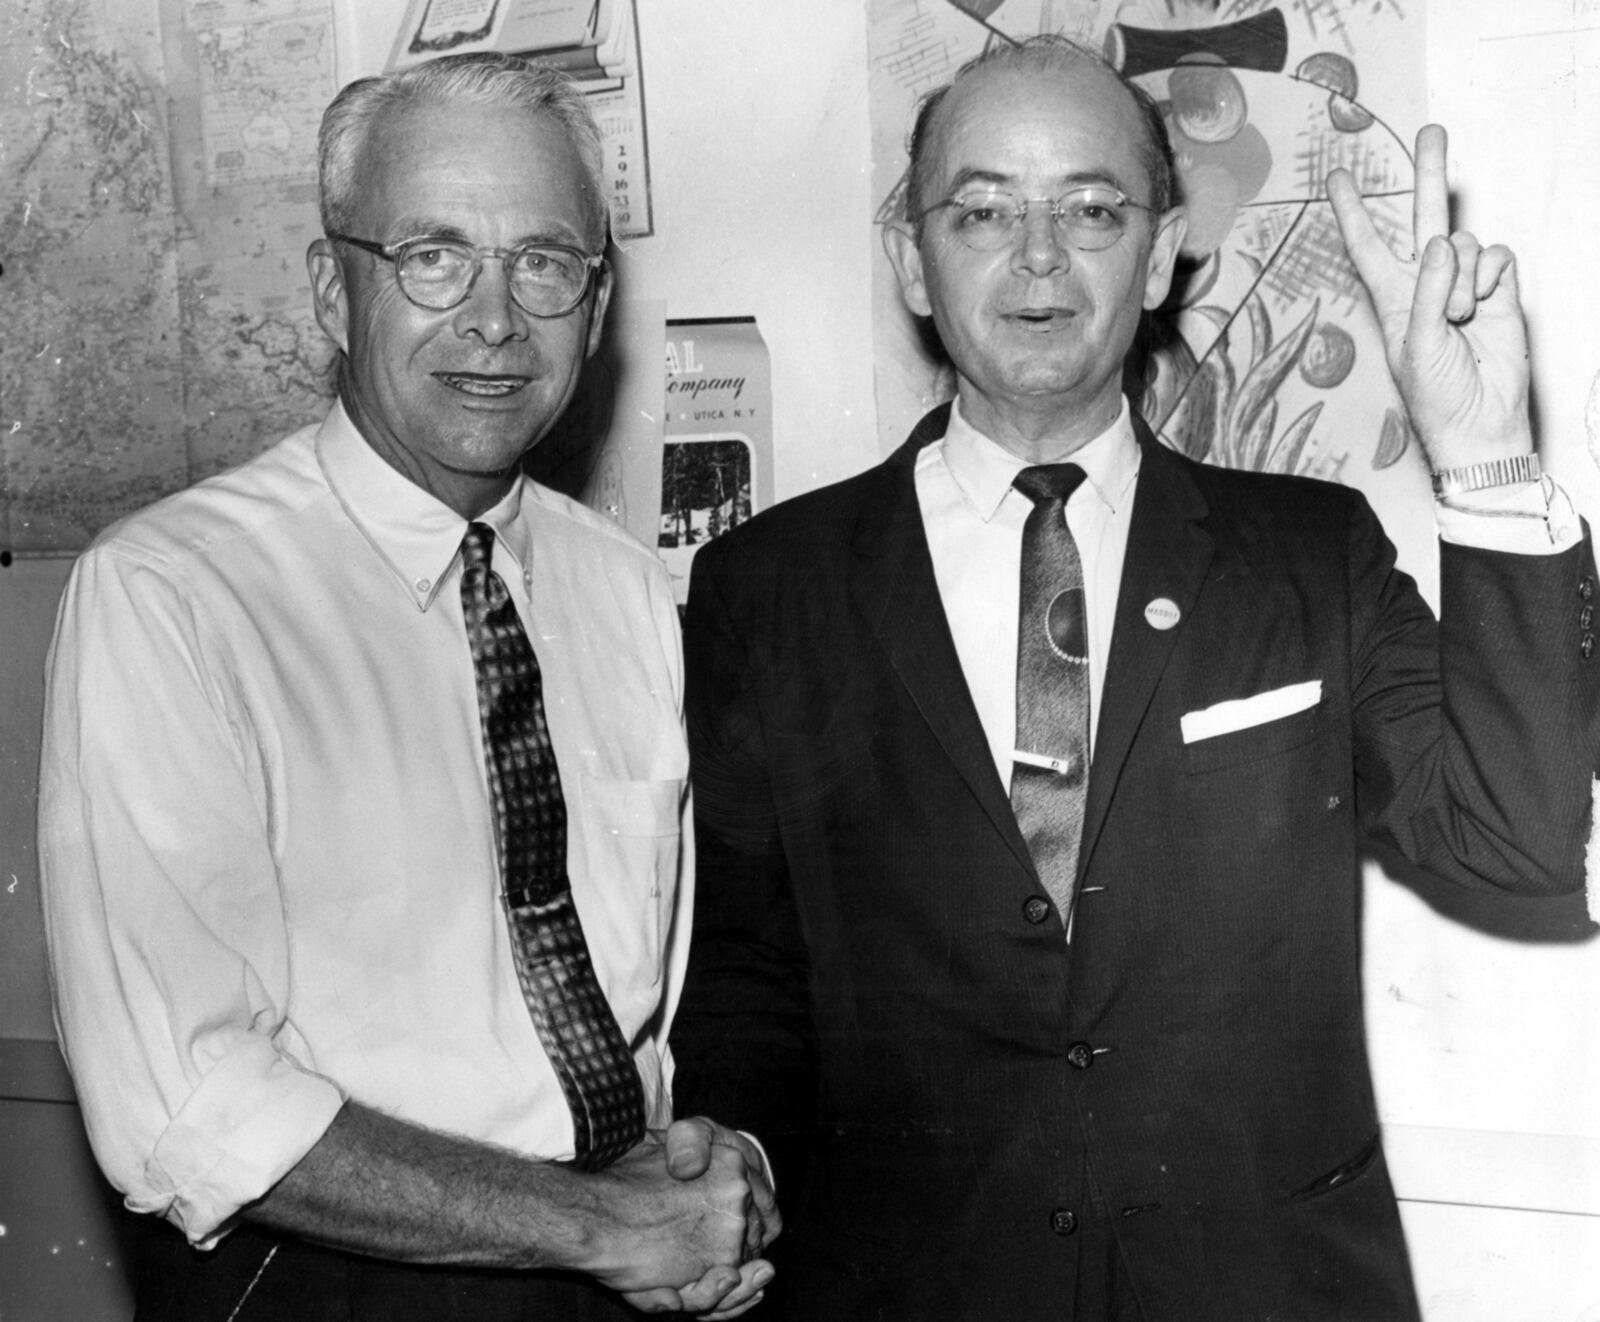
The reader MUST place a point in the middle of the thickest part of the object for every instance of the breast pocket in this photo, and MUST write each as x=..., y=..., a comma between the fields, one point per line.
x=625, y=885
x=1253, y=743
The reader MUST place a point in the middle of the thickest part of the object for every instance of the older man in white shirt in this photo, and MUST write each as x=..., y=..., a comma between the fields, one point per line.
x=367, y=918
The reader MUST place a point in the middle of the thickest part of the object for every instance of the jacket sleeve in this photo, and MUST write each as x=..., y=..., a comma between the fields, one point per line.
x=743, y=1041
x=1475, y=738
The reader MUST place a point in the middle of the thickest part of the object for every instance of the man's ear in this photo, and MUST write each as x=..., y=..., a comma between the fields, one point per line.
x=597, y=314
x=1170, y=231
x=904, y=251
x=328, y=298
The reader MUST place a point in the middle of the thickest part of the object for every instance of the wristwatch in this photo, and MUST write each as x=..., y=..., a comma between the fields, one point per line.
x=1492, y=473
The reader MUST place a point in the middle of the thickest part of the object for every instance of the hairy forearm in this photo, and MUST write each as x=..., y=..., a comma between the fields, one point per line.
x=381, y=1186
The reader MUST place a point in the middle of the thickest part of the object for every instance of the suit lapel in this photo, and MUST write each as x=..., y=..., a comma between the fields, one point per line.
x=895, y=589
x=1168, y=555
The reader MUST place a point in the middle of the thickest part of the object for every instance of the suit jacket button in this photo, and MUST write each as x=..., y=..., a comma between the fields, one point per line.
x=1080, y=1055
x=1586, y=617
x=1586, y=646
x=1036, y=909
x=1063, y=1221
x=1586, y=587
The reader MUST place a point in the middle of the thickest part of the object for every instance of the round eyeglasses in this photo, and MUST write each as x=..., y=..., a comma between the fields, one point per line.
x=546, y=279
x=1088, y=218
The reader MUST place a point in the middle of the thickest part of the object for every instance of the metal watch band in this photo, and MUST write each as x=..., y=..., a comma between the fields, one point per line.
x=1493, y=473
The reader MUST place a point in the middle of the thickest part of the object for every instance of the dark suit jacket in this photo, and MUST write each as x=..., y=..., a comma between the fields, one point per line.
x=947, y=1086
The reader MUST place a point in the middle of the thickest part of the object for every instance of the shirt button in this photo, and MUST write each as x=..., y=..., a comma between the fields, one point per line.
x=1036, y=909
x=1063, y=1221
x=1080, y=1055
x=423, y=584
x=1586, y=646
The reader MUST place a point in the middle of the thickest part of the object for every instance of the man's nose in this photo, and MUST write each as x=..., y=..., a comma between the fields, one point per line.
x=489, y=312
x=1040, y=247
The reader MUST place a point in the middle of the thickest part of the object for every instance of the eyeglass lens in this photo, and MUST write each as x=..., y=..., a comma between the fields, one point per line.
x=544, y=281
x=1085, y=218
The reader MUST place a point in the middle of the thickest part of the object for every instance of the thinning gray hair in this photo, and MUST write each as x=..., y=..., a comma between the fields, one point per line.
x=488, y=79
x=1048, y=53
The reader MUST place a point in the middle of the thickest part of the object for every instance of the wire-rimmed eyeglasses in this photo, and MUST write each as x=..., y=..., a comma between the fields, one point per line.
x=1088, y=218
x=546, y=279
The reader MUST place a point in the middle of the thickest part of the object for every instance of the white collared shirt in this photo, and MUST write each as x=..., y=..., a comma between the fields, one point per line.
x=267, y=843
x=974, y=517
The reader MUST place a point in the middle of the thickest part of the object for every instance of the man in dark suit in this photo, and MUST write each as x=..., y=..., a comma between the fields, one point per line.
x=1026, y=1042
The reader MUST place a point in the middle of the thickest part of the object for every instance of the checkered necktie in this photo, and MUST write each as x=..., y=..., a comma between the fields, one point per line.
x=574, y=1022
x=1050, y=773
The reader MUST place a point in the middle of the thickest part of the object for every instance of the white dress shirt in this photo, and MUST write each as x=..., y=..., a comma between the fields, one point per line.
x=973, y=519
x=267, y=843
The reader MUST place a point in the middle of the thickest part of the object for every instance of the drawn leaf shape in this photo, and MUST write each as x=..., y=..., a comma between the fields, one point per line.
x=1260, y=327
x=1285, y=456
x=1392, y=441
x=1256, y=439
x=1263, y=380
x=1193, y=426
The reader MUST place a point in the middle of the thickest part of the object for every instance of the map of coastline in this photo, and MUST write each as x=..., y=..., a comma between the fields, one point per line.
x=161, y=157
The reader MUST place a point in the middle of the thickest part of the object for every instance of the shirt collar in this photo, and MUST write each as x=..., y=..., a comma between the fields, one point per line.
x=984, y=469
x=416, y=534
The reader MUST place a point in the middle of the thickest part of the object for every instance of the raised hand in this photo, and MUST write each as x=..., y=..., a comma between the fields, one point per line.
x=1451, y=316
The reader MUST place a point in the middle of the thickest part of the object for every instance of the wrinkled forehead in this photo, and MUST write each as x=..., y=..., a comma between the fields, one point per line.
x=1037, y=129
x=434, y=164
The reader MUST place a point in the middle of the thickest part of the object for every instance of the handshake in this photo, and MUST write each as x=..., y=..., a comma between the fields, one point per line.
x=682, y=1220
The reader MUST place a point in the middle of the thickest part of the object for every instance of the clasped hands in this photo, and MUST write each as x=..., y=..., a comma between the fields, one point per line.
x=1451, y=317
x=689, y=1212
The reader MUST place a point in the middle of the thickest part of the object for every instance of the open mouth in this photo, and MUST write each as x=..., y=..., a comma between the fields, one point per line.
x=484, y=387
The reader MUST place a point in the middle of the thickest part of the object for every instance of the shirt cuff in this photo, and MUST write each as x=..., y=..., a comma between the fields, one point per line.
x=252, y=1118
x=1524, y=518
x=766, y=1162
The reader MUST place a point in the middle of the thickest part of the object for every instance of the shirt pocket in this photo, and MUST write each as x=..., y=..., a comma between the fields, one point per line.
x=626, y=885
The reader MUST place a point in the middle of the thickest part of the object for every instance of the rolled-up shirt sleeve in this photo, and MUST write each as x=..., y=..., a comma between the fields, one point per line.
x=163, y=916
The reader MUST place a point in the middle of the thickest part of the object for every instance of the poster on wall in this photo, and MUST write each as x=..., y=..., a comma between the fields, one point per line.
x=1266, y=355
x=716, y=464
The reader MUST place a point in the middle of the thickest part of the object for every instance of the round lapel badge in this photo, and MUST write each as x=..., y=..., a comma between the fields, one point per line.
x=1162, y=613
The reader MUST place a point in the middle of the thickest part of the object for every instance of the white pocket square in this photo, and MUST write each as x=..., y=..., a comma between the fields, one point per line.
x=1242, y=713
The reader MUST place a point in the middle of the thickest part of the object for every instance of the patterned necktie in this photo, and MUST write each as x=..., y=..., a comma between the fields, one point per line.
x=1050, y=774
x=574, y=1022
